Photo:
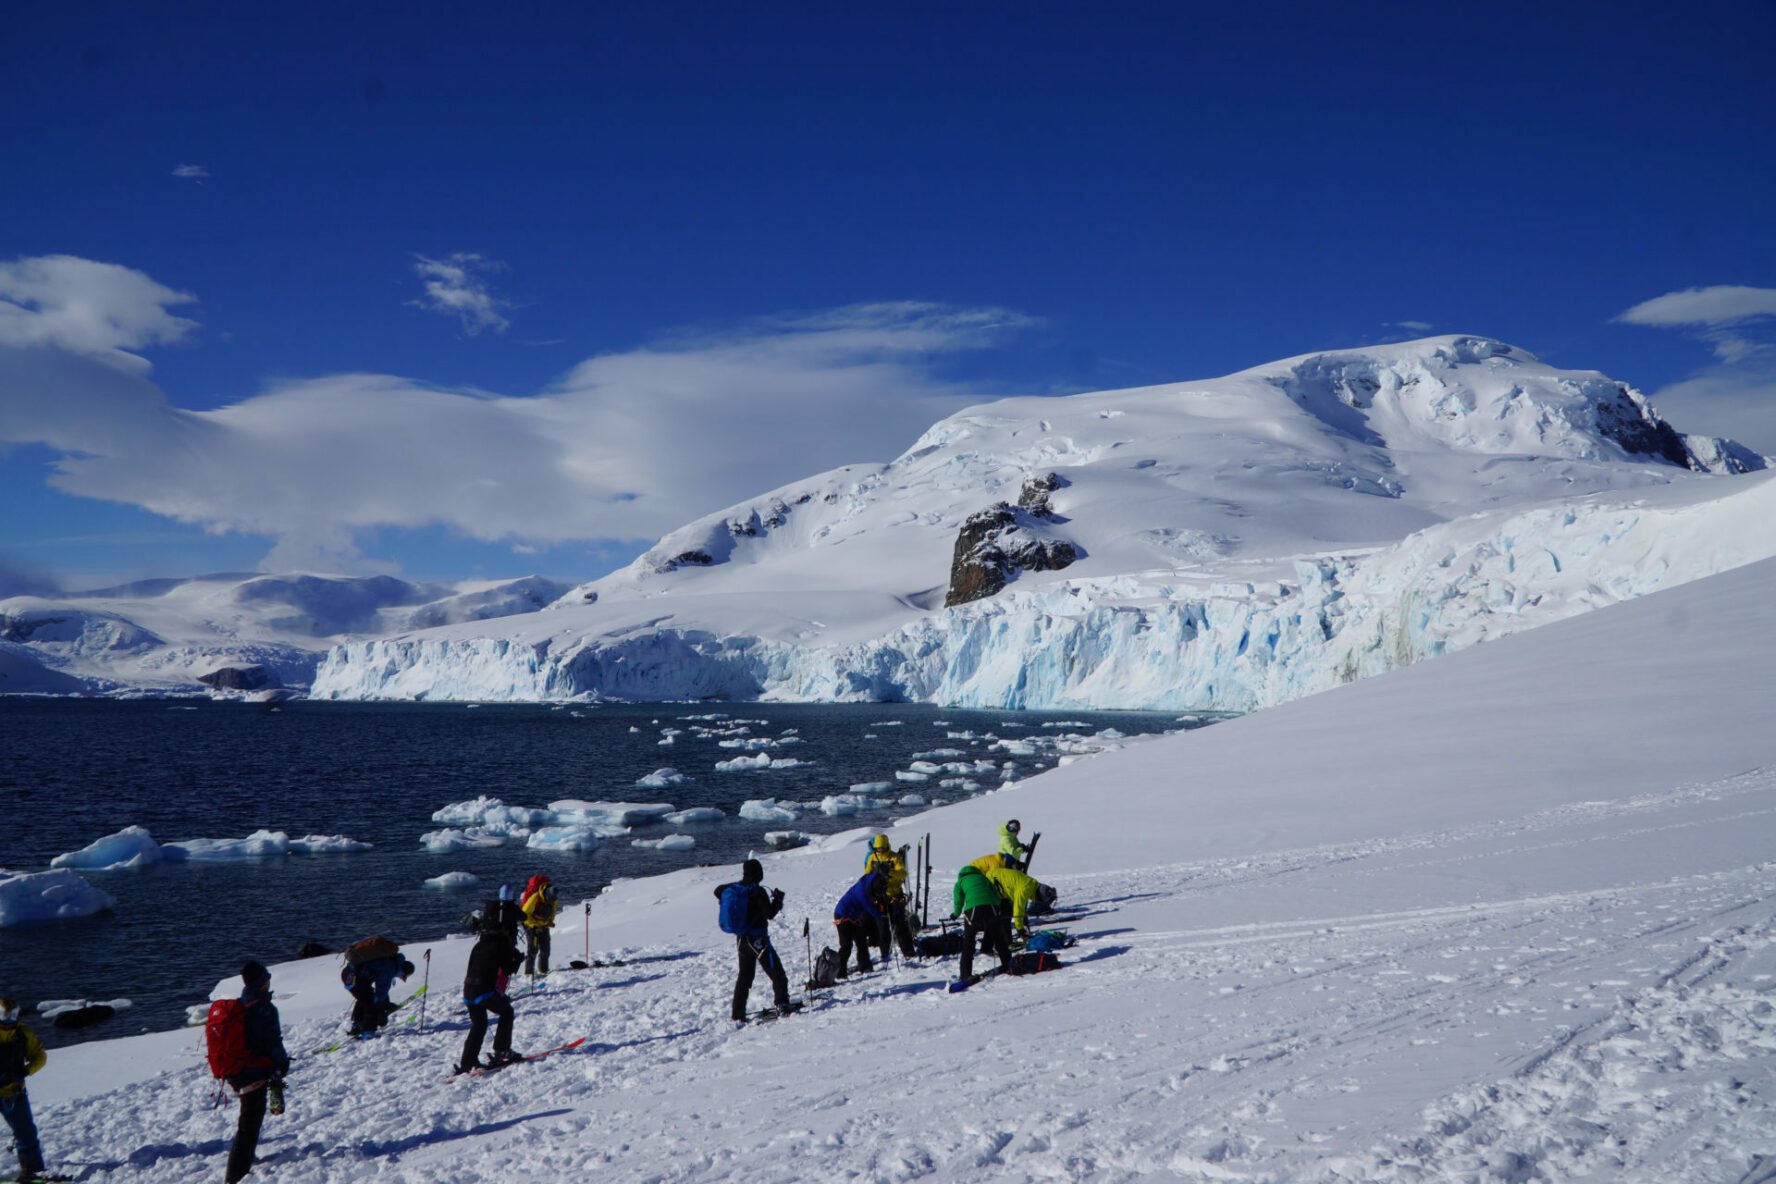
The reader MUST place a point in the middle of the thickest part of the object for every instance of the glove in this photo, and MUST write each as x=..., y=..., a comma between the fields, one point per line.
x=776, y=896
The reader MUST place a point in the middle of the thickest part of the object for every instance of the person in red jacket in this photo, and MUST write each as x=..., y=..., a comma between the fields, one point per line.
x=262, y=1081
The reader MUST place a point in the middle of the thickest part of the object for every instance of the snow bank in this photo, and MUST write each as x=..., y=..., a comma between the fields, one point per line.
x=28, y=898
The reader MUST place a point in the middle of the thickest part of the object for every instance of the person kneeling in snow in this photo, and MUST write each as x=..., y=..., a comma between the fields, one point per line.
x=21, y=1054
x=261, y=1082
x=1015, y=850
x=746, y=912
x=492, y=961
x=982, y=910
x=859, y=917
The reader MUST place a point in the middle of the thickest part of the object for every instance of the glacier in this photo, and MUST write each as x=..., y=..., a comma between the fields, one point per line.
x=1243, y=542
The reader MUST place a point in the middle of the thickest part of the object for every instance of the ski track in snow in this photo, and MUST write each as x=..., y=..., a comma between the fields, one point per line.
x=1613, y=1027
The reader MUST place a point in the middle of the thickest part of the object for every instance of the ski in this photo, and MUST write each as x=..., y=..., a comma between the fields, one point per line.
x=485, y=1070
x=962, y=984
x=775, y=1013
x=345, y=1040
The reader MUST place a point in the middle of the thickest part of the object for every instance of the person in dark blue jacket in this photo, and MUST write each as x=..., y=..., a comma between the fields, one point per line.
x=859, y=917
x=752, y=940
x=492, y=962
x=263, y=1080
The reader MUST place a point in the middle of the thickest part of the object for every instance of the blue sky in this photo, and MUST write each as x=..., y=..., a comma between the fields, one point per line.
x=491, y=291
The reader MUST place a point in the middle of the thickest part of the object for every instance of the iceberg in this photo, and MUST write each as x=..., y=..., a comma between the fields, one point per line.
x=28, y=898
x=662, y=779
x=667, y=843
x=451, y=881
x=130, y=847
x=564, y=838
x=695, y=815
x=769, y=810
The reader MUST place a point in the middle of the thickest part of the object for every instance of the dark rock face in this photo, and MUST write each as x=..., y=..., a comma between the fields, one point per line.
x=996, y=544
x=240, y=678
x=84, y=1017
x=1633, y=425
x=687, y=559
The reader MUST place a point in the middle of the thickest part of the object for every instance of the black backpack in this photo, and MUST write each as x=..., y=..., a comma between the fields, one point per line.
x=826, y=970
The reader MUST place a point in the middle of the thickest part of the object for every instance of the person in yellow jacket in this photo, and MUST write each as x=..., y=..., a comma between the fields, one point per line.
x=538, y=907
x=21, y=1054
x=1019, y=890
x=892, y=866
x=1014, y=849
x=989, y=863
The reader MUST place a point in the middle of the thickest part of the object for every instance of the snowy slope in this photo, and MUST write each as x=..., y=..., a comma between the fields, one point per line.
x=1505, y=916
x=1236, y=543
x=168, y=633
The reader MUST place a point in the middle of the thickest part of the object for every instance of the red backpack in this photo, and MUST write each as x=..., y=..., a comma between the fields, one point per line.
x=225, y=1038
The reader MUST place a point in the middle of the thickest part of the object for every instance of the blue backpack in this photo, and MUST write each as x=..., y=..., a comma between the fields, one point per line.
x=736, y=909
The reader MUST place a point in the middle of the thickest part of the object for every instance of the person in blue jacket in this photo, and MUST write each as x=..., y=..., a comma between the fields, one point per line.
x=752, y=937
x=859, y=917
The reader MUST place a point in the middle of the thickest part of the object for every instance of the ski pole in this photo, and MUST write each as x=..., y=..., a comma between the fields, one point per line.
x=587, y=923
x=424, y=983
x=810, y=943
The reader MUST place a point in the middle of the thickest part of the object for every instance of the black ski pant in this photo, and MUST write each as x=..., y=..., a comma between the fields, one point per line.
x=500, y=1006
x=897, y=929
x=246, y=1132
x=853, y=933
x=755, y=952
x=17, y=1110
x=368, y=1012
x=988, y=923
x=536, y=951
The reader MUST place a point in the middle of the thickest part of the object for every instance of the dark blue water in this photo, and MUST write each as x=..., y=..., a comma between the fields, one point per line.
x=72, y=771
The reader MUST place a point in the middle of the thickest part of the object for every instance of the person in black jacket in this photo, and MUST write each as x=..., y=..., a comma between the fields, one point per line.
x=492, y=961
x=263, y=1080
x=753, y=938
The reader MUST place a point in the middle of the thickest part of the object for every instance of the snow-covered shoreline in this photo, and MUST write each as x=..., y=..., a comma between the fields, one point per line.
x=1502, y=915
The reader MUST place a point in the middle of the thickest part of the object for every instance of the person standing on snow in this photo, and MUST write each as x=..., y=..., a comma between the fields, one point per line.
x=746, y=912
x=982, y=910
x=492, y=961
x=859, y=917
x=21, y=1054
x=892, y=866
x=262, y=1081
x=1015, y=850
x=538, y=906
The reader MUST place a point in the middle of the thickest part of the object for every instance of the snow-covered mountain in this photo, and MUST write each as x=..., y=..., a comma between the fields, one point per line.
x=231, y=632
x=1225, y=544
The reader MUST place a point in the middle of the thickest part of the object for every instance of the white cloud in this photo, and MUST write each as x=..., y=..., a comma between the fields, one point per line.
x=86, y=307
x=1735, y=401
x=192, y=172
x=624, y=446
x=1734, y=320
x=1413, y=326
x=456, y=287
x=1722, y=304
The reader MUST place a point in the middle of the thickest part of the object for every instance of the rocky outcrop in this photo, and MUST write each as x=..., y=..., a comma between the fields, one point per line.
x=996, y=544
x=240, y=678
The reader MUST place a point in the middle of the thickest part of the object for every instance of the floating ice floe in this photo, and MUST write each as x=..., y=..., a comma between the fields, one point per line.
x=783, y=840
x=563, y=838
x=450, y=881
x=453, y=838
x=840, y=804
x=59, y=895
x=662, y=779
x=50, y=1008
x=758, y=762
x=769, y=810
x=668, y=843
x=912, y=799
x=612, y=817
x=759, y=743
x=938, y=754
x=910, y=775
x=132, y=846
x=326, y=845
x=492, y=814
x=872, y=786
x=694, y=816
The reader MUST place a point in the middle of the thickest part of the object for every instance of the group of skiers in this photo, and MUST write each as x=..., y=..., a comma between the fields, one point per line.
x=992, y=897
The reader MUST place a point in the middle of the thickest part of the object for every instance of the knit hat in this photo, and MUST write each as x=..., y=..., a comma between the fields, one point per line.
x=253, y=973
x=752, y=872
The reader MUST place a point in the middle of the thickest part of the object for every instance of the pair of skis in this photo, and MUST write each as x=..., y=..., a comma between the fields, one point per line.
x=529, y=1058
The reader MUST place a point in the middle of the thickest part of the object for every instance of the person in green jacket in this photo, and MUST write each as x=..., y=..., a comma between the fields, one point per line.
x=1015, y=850
x=1018, y=890
x=982, y=910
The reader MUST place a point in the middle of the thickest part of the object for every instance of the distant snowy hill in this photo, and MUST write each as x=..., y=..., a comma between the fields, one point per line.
x=239, y=632
x=1225, y=544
